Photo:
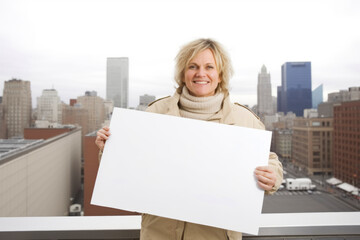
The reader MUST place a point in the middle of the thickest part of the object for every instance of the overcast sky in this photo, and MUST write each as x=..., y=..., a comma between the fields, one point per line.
x=64, y=44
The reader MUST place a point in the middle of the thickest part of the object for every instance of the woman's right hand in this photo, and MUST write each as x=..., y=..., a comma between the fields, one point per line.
x=102, y=135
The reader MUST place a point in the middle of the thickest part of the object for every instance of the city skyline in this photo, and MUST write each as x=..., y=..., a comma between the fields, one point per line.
x=69, y=54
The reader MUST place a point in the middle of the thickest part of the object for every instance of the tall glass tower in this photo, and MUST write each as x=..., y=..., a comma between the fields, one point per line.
x=294, y=95
x=117, y=81
x=317, y=96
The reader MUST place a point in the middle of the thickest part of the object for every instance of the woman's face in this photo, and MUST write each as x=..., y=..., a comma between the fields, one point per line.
x=201, y=75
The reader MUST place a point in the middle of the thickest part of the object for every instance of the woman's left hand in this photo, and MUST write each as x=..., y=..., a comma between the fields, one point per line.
x=266, y=177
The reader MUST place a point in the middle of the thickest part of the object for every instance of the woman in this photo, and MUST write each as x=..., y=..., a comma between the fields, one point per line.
x=203, y=70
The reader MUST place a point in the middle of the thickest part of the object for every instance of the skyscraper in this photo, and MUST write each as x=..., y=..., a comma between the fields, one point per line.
x=317, y=96
x=16, y=107
x=294, y=95
x=117, y=81
x=49, y=106
x=264, y=97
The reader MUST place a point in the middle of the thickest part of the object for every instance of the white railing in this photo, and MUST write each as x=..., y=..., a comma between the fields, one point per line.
x=284, y=224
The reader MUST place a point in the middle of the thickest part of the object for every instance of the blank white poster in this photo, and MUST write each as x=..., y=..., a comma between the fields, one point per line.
x=184, y=169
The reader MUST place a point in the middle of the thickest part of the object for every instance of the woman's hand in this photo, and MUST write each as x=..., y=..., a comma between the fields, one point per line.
x=102, y=135
x=266, y=177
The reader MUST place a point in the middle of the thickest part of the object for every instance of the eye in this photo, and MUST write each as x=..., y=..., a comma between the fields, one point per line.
x=192, y=67
x=210, y=67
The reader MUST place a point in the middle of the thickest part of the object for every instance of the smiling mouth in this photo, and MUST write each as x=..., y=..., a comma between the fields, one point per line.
x=202, y=82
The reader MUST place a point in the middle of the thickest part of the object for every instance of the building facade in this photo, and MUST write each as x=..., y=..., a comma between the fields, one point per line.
x=295, y=92
x=311, y=145
x=95, y=108
x=109, y=107
x=274, y=103
x=77, y=115
x=16, y=107
x=49, y=106
x=317, y=96
x=283, y=143
x=145, y=100
x=40, y=177
x=117, y=81
x=282, y=135
x=325, y=109
x=346, y=147
x=264, y=96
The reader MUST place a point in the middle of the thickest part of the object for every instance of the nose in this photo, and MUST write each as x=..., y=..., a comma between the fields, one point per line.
x=200, y=72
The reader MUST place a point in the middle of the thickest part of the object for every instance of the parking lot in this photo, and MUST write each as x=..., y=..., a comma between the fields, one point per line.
x=318, y=200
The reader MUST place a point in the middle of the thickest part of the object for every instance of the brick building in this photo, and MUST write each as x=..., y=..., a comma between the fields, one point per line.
x=95, y=108
x=346, y=147
x=77, y=115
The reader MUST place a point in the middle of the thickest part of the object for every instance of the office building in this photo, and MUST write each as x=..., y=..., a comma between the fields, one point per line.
x=352, y=94
x=264, y=97
x=282, y=138
x=311, y=113
x=40, y=177
x=145, y=100
x=285, y=121
x=109, y=106
x=96, y=110
x=274, y=104
x=282, y=135
x=49, y=106
x=325, y=109
x=117, y=81
x=346, y=147
x=269, y=121
x=311, y=145
x=76, y=114
x=16, y=107
x=294, y=94
x=317, y=96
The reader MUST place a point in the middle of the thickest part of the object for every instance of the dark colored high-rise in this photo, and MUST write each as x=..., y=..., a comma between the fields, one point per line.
x=294, y=94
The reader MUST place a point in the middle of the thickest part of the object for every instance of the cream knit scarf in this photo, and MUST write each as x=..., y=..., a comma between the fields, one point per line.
x=201, y=108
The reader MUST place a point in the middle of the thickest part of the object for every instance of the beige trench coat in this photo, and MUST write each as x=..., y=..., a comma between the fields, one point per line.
x=159, y=228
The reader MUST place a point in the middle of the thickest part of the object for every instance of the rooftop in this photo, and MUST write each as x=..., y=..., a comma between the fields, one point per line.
x=11, y=146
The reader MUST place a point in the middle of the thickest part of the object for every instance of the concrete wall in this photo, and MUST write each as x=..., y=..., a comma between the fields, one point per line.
x=41, y=181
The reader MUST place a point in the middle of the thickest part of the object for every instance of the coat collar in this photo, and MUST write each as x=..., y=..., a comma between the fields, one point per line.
x=226, y=111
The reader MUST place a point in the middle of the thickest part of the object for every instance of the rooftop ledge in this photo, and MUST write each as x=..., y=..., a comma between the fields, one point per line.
x=127, y=227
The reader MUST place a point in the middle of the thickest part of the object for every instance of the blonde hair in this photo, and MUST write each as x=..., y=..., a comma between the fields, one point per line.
x=190, y=50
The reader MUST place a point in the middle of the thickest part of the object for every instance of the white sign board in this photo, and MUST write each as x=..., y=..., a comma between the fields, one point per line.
x=190, y=170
